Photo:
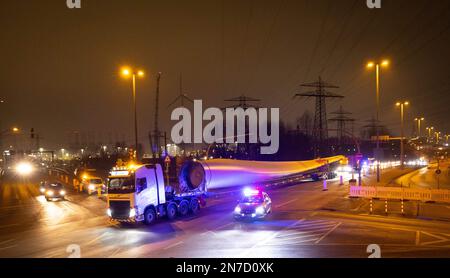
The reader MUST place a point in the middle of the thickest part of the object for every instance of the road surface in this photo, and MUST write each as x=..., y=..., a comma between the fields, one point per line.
x=302, y=225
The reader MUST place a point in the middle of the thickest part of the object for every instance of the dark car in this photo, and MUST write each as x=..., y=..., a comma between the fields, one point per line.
x=254, y=204
x=54, y=191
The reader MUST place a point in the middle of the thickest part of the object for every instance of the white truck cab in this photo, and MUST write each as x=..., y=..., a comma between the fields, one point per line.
x=138, y=193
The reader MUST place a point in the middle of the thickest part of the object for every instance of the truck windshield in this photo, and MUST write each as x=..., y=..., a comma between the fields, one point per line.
x=121, y=185
x=96, y=181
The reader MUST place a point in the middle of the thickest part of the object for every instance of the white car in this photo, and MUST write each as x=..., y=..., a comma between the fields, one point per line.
x=92, y=184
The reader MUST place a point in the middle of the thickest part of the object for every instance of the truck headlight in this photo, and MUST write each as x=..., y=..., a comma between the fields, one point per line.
x=260, y=210
x=237, y=210
x=132, y=213
x=109, y=212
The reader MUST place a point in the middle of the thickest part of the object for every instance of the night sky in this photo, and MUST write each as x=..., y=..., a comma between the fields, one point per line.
x=59, y=70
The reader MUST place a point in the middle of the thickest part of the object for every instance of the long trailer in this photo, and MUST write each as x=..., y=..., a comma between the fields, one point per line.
x=138, y=194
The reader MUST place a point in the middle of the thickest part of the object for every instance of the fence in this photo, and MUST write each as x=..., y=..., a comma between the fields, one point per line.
x=397, y=193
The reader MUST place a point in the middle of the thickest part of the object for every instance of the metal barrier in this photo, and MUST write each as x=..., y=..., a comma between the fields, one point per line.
x=397, y=193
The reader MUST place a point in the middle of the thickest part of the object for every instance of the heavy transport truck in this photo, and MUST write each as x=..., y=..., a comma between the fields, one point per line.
x=139, y=194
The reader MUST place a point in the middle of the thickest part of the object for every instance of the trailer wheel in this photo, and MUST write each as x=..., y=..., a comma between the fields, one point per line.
x=149, y=216
x=171, y=211
x=183, y=208
x=194, y=207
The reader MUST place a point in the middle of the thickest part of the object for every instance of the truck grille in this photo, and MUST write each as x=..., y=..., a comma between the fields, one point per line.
x=120, y=209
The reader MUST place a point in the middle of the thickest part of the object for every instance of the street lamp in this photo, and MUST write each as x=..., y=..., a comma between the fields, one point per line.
x=429, y=129
x=127, y=72
x=438, y=136
x=419, y=125
x=402, y=106
x=378, y=66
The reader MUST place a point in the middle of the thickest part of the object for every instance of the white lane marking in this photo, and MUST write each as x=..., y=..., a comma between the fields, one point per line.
x=10, y=225
x=274, y=235
x=441, y=239
x=173, y=245
x=286, y=203
x=223, y=226
x=97, y=238
x=8, y=247
x=114, y=253
x=329, y=232
x=7, y=241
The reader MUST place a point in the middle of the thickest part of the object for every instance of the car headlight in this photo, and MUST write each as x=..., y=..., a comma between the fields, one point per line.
x=42, y=190
x=91, y=187
x=50, y=193
x=62, y=192
x=132, y=212
x=260, y=210
x=109, y=212
x=237, y=210
x=24, y=168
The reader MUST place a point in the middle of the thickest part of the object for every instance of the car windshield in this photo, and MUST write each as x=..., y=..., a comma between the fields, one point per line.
x=252, y=199
x=96, y=181
x=56, y=186
x=122, y=185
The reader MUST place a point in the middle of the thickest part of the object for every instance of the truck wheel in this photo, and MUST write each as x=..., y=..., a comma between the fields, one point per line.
x=171, y=211
x=183, y=208
x=194, y=206
x=149, y=216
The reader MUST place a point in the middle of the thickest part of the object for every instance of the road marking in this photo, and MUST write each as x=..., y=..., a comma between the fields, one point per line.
x=97, y=238
x=274, y=235
x=287, y=203
x=8, y=247
x=7, y=241
x=114, y=253
x=441, y=239
x=173, y=245
x=222, y=226
x=10, y=225
x=329, y=232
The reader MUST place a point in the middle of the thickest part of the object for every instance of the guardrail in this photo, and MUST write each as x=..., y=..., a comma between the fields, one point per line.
x=397, y=193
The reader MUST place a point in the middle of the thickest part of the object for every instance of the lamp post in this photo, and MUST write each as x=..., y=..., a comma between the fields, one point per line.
x=378, y=66
x=419, y=125
x=13, y=130
x=402, y=106
x=429, y=129
x=127, y=72
x=438, y=137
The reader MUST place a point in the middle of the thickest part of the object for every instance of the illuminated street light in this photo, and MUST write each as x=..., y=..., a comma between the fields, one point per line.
x=402, y=106
x=127, y=72
x=438, y=136
x=377, y=66
x=419, y=125
x=429, y=129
